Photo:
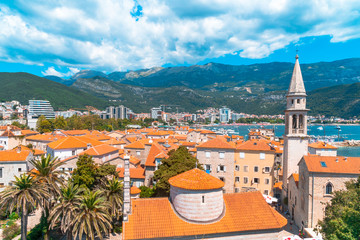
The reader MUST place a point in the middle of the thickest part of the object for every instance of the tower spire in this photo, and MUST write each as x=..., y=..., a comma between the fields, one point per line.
x=296, y=84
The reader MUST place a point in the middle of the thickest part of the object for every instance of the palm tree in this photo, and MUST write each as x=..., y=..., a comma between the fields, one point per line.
x=65, y=208
x=25, y=194
x=47, y=171
x=92, y=216
x=113, y=192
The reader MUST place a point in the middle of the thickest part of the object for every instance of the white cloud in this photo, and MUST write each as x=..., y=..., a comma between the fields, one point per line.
x=51, y=71
x=102, y=34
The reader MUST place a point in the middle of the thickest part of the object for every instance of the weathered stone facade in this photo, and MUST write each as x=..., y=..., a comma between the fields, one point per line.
x=220, y=163
x=197, y=205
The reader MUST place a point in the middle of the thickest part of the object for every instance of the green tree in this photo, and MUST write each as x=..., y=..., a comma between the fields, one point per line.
x=44, y=125
x=342, y=214
x=179, y=161
x=65, y=208
x=47, y=172
x=85, y=171
x=92, y=216
x=113, y=192
x=60, y=123
x=25, y=194
x=103, y=172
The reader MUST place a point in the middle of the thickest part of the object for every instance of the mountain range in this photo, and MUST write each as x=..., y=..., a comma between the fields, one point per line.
x=333, y=87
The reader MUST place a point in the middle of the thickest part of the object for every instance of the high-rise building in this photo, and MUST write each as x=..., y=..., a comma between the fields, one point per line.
x=225, y=114
x=119, y=112
x=39, y=108
x=155, y=112
x=295, y=137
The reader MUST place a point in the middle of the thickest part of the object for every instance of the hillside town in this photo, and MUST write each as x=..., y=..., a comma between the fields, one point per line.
x=275, y=187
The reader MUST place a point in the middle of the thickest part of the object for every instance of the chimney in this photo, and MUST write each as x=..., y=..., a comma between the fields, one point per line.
x=88, y=145
x=150, y=141
x=345, y=159
x=18, y=149
x=337, y=160
x=127, y=201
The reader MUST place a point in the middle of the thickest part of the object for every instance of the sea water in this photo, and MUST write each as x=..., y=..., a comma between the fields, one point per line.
x=343, y=132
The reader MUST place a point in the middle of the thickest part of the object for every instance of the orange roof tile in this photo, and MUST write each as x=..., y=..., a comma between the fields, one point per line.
x=188, y=144
x=131, y=139
x=155, y=218
x=99, y=137
x=8, y=133
x=154, y=151
x=134, y=190
x=180, y=137
x=28, y=132
x=44, y=137
x=218, y=142
x=321, y=145
x=349, y=166
x=138, y=173
x=159, y=133
x=255, y=145
x=135, y=145
x=76, y=132
x=205, y=131
x=133, y=160
x=113, y=141
x=73, y=142
x=278, y=185
x=196, y=179
x=14, y=156
x=100, y=150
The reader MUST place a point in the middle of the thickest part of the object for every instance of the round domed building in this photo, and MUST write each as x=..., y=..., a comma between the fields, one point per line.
x=197, y=196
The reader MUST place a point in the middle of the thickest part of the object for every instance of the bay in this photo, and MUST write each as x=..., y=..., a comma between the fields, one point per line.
x=345, y=132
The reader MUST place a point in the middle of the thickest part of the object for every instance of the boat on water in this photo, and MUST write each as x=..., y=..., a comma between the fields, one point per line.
x=320, y=128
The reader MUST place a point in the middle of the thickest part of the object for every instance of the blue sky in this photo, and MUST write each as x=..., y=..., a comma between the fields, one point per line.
x=48, y=37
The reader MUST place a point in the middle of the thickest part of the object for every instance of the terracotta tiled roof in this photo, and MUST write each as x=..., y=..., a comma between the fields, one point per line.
x=196, y=179
x=133, y=160
x=159, y=133
x=44, y=138
x=8, y=133
x=218, y=142
x=138, y=173
x=349, y=165
x=100, y=150
x=113, y=141
x=76, y=132
x=135, y=145
x=13, y=155
x=278, y=185
x=155, y=218
x=321, y=145
x=131, y=139
x=255, y=145
x=36, y=152
x=134, y=190
x=154, y=151
x=188, y=144
x=180, y=137
x=28, y=132
x=204, y=131
x=73, y=142
x=98, y=137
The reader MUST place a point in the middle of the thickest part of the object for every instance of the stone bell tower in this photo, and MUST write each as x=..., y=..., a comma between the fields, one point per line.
x=295, y=137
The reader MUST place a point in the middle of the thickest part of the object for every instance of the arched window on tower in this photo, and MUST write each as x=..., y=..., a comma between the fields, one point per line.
x=329, y=188
x=301, y=121
x=294, y=122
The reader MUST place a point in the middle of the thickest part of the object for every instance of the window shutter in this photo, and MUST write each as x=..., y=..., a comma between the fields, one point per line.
x=224, y=168
x=218, y=168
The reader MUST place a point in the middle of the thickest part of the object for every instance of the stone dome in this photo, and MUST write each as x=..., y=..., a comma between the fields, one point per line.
x=197, y=196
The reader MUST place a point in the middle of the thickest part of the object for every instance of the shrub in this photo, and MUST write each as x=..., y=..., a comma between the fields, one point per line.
x=11, y=231
x=14, y=216
x=38, y=231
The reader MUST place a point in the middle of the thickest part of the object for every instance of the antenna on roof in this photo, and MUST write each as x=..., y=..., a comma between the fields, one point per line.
x=196, y=164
